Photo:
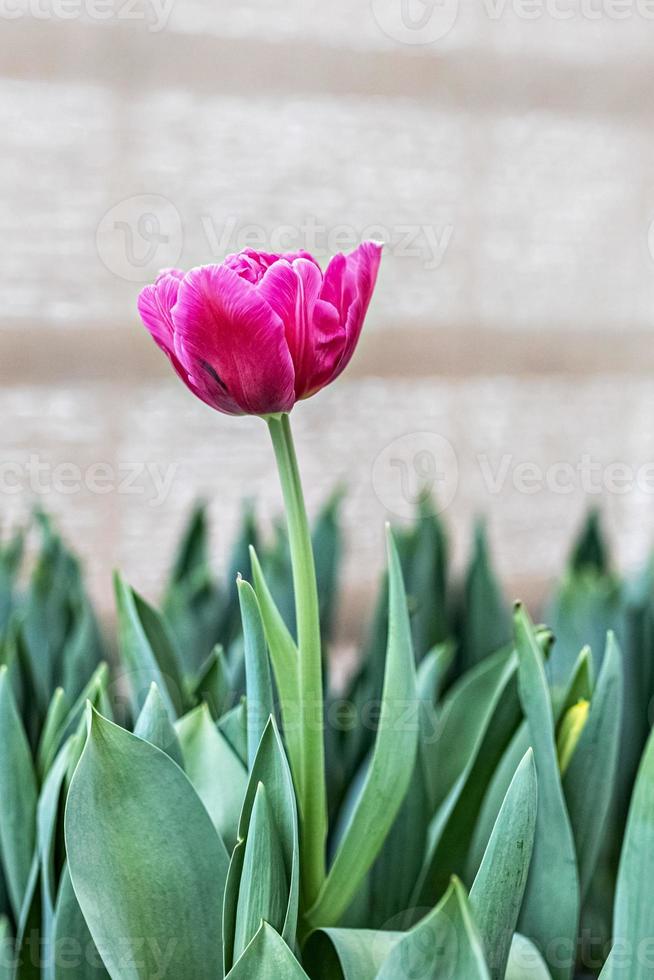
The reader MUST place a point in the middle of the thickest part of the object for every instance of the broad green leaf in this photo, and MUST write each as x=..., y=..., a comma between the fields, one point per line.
x=444, y=944
x=633, y=916
x=155, y=725
x=75, y=954
x=47, y=820
x=162, y=891
x=147, y=650
x=486, y=621
x=267, y=958
x=29, y=933
x=586, y=606
x=6, y=949
x=214, y=684
x=234, y=727
x=454, y=823
x=525, y=962
x=589, y=780
x=423, y=554
x=214, y=769
x=18, y=798
x=391, y=766
x=496, y=895
x=259, y=690
x=284, y=659
x=327, y=549
x=57, y=713
x=93, y=693
x=270, y=768
x=550, y=912
x=390, y=881
x=348, y=954
x=461, y=720
x=83, y=649
x=263, y=893
x=192, y=552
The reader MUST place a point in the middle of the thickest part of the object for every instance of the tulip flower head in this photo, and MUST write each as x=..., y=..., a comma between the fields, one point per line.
x=261, y=331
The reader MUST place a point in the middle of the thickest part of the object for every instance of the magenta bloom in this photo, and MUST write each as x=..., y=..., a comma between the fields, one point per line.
x=259, y=332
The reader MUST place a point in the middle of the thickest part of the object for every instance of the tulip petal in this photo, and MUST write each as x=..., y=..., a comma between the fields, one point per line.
x=225, y=330
x=314, y=333
x=155, y=305
x=348, y=284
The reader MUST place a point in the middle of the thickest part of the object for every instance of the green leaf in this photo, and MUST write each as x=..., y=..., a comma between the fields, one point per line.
x=161, y=891
x=445, y=944
x=75, y=954
x=6, y=950
x=525, y=962
x=214, y=769
x=348, y=954
x=214, y=684
x=589, y=780
x=154, y=724
x=272, y=770
x=95, y=693
x=453, y=827
x=327, y=549
x=147, y=649
x=550, y=912
x=18, y=798
x=48, y=743
x=391, y=766
x=486, y=622
x=267, y=958
x=259, y=690
x=263, y=894
x=461, y=720
x=47, y=820
x=496, y=895
x=633, y=916
x=284, y=659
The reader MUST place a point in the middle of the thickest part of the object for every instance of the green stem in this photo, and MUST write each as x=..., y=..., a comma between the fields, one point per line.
x=312, y=803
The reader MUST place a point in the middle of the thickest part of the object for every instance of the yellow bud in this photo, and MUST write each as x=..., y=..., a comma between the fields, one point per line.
x=570, y=729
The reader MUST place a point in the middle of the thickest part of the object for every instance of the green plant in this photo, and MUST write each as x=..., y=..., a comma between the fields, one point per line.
x=480, y=806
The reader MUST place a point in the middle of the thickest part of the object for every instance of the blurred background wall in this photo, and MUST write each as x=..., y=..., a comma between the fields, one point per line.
x=503, y=149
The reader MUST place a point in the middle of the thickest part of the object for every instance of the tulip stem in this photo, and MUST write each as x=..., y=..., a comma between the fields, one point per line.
x=312, y=802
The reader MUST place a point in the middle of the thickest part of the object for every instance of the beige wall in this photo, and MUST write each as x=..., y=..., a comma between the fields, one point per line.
x=509, y=166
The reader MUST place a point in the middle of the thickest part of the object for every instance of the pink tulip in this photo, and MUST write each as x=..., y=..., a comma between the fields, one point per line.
x=259, y=332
